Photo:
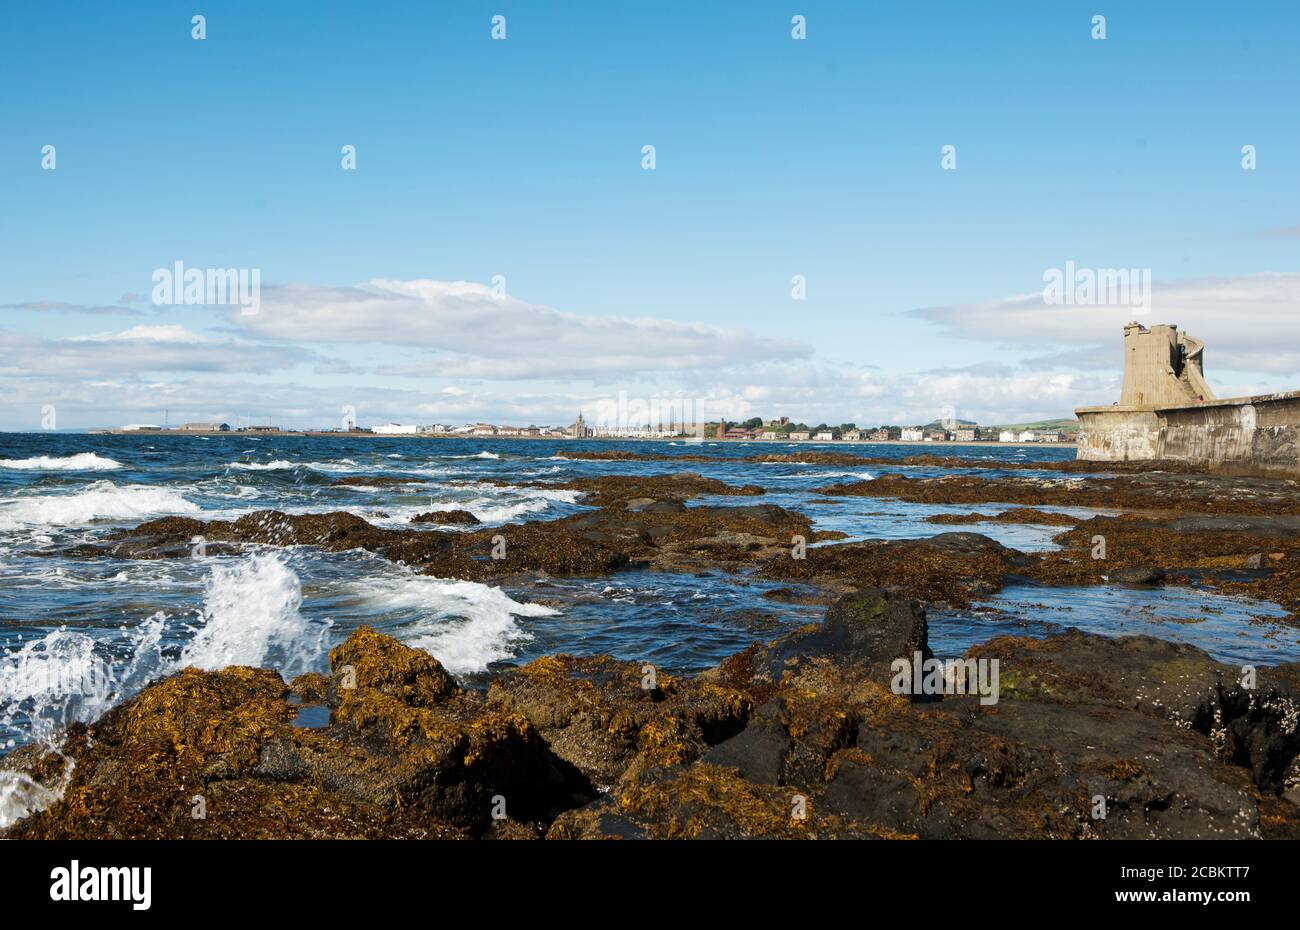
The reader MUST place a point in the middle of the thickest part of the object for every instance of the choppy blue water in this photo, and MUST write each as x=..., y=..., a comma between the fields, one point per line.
x=79, y=634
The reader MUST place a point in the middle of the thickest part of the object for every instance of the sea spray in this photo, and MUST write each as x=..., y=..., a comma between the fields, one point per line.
x=251, y=616
x=45, y=686
x=464, y=624
x=99, y=500
x=21, y=796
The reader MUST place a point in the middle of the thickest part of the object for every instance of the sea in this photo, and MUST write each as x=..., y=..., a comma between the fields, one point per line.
x=79, y=635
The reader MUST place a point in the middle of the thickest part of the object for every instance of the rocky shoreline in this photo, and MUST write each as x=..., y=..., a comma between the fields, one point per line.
x=807, y=735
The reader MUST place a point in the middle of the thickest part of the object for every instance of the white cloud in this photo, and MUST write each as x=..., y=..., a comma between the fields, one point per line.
x=1249, y=324
x=56, y=306
x=497, y=338
x=141, y=349
x=168, y=333
x=1051, y=359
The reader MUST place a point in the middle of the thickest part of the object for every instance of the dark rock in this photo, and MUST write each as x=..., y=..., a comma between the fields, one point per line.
x=447, y=518
x=1138, y=575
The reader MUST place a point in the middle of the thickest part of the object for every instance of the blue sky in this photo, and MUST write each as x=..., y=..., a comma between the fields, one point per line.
x=522, y=158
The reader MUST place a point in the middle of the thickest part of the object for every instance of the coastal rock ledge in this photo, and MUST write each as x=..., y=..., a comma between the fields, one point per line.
x=800, y=738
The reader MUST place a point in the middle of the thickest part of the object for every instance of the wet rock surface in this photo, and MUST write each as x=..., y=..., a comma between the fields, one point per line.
x=950, y=568
x=1028, y=515
x=374, y=481
x=805, y=736
x=661, y=531
x=1258, y=556
x=406, y=753
x=1150, y=491
x=447, y=518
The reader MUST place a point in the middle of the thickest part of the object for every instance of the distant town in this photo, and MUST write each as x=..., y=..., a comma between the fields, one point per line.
x=755, y=429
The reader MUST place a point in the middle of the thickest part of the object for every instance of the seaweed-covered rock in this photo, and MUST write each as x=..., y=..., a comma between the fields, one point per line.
x=405, y=753
x=447, y=518
x=608, y=717
x=802, y=737
x=950, y=568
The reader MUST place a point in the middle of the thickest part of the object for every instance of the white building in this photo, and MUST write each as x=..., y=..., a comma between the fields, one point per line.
x=825, y=436
x=913, y=434
x=397, y=429
x=634, y=432
x=1029, y=436
x=1006, y=436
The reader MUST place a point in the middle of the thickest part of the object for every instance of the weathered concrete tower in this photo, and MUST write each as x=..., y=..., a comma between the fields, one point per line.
x=1162, y=368
x=1167, y=411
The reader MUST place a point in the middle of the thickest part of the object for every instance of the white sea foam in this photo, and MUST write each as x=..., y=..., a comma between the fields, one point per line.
x=501, y=503
x=82, y=461
x=21, y=797
x=865, y=476
x=100, y=500
x=495, y=504
x=251, y=616
x=344, y=465
x=277, y=465
x=489, y=511
x=57, y=680
x=464, y=624
x=54, y=681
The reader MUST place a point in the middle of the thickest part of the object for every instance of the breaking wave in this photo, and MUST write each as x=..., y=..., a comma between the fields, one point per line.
x=251, y=616
x=101, y=500
x=277, y=465
x=82, y=461
x=463, y=624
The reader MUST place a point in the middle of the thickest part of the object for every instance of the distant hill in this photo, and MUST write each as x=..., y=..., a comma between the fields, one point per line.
x=949, y=424
x=1065, y=425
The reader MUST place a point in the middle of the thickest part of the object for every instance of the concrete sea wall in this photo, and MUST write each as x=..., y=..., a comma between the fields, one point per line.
x=1247, y=434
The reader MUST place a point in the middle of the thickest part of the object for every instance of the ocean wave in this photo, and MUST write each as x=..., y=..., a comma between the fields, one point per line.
x=497, y=512
x=277, y=465
x=60, y=679
x=865, y=476
x=346, y=465
x=251, y=616
x=502, y=503
x=101, y=500
x=82, y=461
x=54, y=681
x=463, y=624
